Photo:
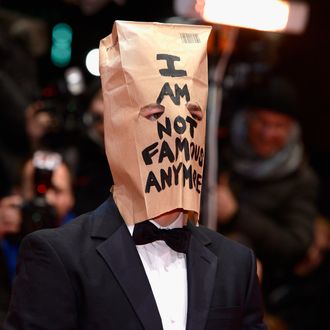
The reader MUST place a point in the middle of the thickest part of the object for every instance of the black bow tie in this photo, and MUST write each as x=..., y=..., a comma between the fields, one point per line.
x=177, y=238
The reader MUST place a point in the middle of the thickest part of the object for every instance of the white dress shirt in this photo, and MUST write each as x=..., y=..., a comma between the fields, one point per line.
x=167, y=274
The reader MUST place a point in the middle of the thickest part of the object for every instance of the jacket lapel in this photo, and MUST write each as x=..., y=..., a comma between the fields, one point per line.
x=120, y=254
x=201, y=269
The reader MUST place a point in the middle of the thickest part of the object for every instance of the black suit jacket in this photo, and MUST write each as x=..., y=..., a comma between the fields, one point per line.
x=88, y=275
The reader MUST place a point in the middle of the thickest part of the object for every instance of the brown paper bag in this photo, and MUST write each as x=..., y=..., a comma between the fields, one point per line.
x=155, y=80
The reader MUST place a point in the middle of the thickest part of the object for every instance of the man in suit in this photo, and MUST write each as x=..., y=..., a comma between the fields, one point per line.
x=140, y=260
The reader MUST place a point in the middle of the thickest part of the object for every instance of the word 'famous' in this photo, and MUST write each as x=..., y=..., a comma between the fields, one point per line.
x=189, y=150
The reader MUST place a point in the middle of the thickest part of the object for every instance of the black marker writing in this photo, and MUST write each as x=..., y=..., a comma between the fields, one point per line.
x=180, y=125
x=170, y=71
x=179, y=93
x=188, y=175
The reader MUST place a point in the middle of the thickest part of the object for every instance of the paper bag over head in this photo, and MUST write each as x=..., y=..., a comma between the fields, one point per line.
x=155, y=82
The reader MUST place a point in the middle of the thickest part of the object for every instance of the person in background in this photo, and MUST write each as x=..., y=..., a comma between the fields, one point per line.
x=46, y=201
x=93, y=179
x=267, y=191
x=58, y=191
x=10, y=222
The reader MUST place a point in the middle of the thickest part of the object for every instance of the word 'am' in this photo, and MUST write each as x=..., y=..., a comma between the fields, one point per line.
x=171, y=71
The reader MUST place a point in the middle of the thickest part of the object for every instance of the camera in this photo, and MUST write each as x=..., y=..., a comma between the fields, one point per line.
x=37, y=213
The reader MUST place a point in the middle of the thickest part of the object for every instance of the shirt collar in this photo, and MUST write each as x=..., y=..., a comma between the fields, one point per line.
x=177, y=223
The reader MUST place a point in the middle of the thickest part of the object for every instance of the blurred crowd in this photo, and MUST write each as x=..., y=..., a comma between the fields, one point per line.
x=268, y=199
x=61, y=175
x=53, y=168
x=53, y=165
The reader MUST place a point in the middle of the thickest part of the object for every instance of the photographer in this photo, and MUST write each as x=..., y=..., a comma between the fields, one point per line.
x=47, y=182
x=46, y=200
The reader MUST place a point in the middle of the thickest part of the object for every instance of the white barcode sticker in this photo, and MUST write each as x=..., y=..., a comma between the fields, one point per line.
x=190, y=38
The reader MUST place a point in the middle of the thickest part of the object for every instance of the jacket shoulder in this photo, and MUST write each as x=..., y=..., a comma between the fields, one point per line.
x=221, y=245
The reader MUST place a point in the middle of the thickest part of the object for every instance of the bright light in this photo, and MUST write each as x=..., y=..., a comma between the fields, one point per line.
x=264, y=15
x=74, y=80
x=61, y=44
x=62, y=33
x=92, y=62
